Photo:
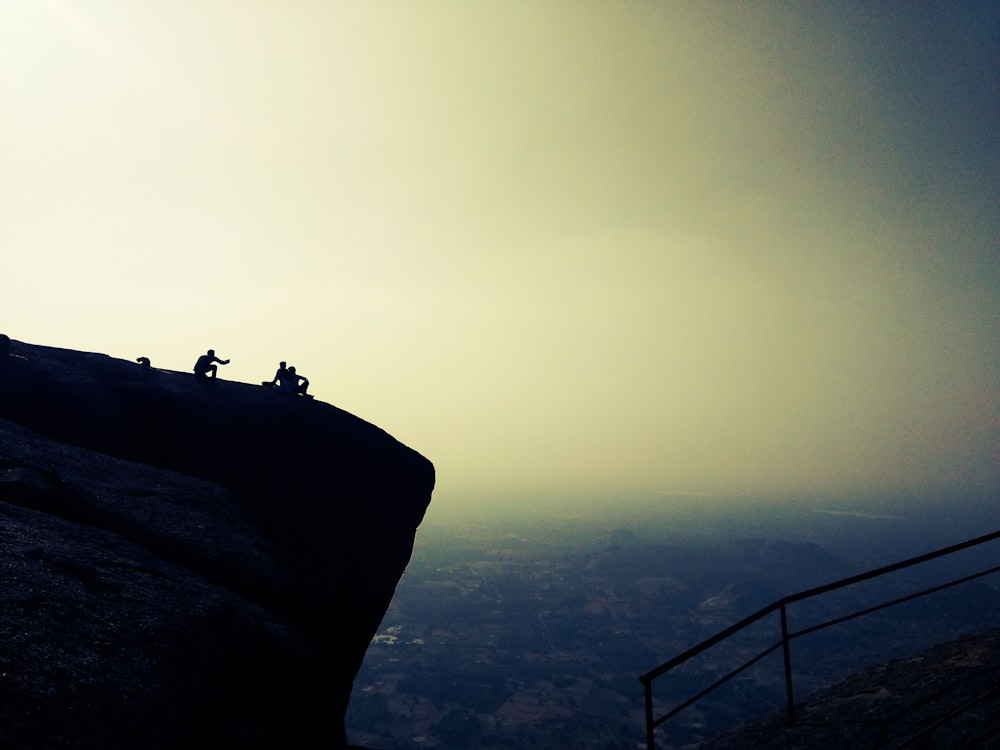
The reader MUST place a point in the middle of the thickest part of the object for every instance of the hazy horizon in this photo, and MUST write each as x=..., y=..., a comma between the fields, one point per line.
x=672, y=249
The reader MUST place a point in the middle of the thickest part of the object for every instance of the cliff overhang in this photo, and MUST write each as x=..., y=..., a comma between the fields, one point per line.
x=188, y=560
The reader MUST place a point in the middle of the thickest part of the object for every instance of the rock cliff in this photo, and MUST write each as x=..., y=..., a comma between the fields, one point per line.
x=188, y=562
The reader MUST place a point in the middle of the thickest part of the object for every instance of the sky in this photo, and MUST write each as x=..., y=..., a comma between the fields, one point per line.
x=558, y=247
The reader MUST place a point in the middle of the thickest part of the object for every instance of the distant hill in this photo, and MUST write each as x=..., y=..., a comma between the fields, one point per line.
x=534, y=635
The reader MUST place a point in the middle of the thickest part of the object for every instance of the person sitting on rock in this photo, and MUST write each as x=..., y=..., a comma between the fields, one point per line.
x=295, y=384
x=205, y=368
x=280, y=376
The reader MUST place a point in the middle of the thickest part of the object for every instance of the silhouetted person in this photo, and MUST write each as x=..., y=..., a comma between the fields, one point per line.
x=143, y=361
x=205, y=368
x=295, y=384
x=280, y=376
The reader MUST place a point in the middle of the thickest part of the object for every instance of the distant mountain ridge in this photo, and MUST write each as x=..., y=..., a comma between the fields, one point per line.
x=188, y=562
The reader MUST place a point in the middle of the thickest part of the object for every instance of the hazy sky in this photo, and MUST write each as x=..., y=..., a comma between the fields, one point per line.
x=555, y=246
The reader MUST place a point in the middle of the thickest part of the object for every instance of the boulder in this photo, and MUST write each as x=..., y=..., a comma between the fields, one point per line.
x=188, y=562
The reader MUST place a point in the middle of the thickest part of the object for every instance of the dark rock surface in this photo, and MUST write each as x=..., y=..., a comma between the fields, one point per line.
x=946, y=698
x=186, y=563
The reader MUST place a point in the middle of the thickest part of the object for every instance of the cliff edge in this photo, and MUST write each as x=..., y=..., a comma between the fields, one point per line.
x=188, y=562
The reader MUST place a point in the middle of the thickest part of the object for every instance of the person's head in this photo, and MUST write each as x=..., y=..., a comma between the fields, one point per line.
x=281, y=365
x=291, y=369
x=211, y=352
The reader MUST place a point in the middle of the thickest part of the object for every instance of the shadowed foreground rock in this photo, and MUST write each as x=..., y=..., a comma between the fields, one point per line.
x=945, y=698
x=185, y=563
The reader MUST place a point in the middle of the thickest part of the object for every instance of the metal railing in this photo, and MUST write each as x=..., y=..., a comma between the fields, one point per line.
x=781, y=606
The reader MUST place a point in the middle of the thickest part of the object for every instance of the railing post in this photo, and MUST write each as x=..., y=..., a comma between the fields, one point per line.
x=781, y=605
x=788, y=665
x=648, y=685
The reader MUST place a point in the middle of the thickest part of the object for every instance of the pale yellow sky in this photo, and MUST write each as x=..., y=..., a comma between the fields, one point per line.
x=556, y=247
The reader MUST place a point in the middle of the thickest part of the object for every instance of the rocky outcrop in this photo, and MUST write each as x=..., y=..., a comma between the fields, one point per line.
x=946, y=697
x=188, y=562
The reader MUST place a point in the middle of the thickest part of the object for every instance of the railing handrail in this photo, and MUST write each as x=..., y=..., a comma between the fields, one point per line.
x=780, y=605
